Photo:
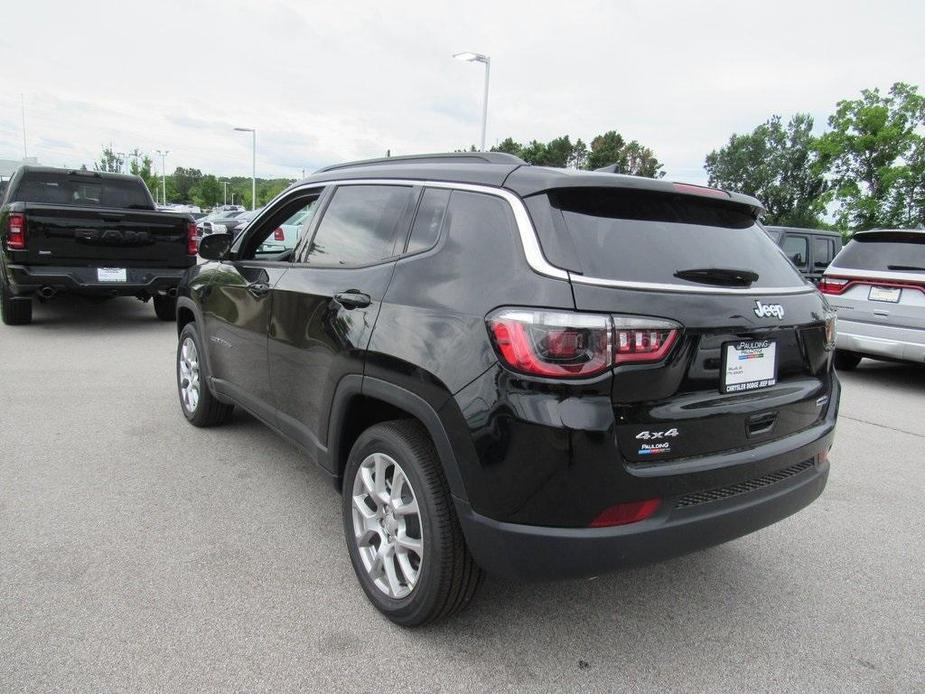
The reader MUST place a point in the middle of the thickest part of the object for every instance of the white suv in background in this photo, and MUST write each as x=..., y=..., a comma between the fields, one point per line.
x=877, y=285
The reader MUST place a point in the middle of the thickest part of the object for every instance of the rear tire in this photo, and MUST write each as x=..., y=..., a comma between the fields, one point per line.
x=410, y=587
x=16, y=310
x=199, y=405
x=846, y=361
x=165, y=307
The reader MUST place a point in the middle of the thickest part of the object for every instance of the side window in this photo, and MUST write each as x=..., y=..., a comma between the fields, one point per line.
x=286, y=236
x=275, y=235
x=823, y=251
x=428, y=220
x=362, y=224
x=797, y=249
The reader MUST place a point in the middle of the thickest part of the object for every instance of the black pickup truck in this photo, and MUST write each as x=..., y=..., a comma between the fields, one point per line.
x=89, y=233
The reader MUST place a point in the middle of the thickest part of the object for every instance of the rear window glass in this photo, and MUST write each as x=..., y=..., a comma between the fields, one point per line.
x=638, y=236
x=901, y=253
x=84, y=191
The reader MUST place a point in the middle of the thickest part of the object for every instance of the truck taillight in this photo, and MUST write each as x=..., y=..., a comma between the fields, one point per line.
x=833, y=285
x=278, y=234
x=16, y=233
x=192, y=234
x=560, y=344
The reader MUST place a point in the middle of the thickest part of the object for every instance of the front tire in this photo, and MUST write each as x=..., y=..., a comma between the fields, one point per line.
x=404, y=539
x=165, y=307
x=846, y=361
x=199, y=405
x=14, y=310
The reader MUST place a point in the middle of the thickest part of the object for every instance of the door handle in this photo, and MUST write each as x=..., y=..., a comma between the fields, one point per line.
x=258, y=289
x=352, y=299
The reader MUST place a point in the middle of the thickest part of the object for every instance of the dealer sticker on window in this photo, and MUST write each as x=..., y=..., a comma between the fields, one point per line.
x=111, y=274
x=749, y=365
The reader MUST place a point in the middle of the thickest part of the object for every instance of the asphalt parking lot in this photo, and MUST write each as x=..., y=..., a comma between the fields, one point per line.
x=137, y=552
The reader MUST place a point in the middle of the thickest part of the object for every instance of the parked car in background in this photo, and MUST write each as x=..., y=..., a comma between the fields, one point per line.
x=226, y=218
x=242, y=220
x=811, y=250
x=287, y=234
x=89, y=233
x=515, y=369
x=877, y=286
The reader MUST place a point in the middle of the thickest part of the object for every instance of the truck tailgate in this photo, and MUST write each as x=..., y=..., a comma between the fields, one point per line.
x=65, y=234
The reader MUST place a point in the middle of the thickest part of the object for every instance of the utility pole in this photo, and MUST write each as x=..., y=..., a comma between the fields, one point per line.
x=253, y=132
x=22, y=100
x=163, y=156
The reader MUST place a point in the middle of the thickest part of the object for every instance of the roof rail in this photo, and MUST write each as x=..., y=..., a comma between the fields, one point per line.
x=447, y=158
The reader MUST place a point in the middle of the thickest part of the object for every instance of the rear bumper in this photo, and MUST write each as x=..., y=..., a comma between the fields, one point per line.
x=526, y=552
x=875, y=340
x=26, y=280
x=798, y=470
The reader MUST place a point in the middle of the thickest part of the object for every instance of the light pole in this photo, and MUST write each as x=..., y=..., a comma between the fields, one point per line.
x=470, y=57
x=163, y=156
x=253, y=132
x=225, y=183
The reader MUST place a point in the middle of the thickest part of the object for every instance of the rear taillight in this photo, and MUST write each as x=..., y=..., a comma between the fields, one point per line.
x=833, y=285
x=558, y=344
x=642, y=339
x=279, y=235
x=623, y=514
x=16, y=233
x=192, y=233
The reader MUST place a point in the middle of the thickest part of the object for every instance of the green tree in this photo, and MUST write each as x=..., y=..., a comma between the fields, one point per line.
x=777, y=164
x=267, y=190
x=874, y=155
x=208, y=192
x=510, y=146
x=559, y=152
x=184, y=182
x=629, y=157
x=606, y=149
x=109, y=161
x=534, y=152
x=578, y=157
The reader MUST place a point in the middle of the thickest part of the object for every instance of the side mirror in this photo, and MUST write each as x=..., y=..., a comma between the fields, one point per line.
x=215, y=246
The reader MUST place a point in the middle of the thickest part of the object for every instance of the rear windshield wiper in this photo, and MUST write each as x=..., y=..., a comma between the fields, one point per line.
x=720, y=276
x=912, y=268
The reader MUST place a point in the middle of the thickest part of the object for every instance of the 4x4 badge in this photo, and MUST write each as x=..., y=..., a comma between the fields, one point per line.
x=766, y=310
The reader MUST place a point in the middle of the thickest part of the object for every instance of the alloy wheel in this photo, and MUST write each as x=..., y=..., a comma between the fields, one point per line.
x=189, y=375
x=387, y=525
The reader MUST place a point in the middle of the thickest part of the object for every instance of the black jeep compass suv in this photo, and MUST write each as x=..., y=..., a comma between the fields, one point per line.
x=520, y=370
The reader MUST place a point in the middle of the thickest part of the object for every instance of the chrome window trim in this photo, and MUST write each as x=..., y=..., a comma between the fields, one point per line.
x=534, y=254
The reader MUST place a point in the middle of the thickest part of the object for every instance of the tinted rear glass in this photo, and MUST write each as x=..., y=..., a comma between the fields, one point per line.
x=639, y=236
x=902, y=253
x=84, y=191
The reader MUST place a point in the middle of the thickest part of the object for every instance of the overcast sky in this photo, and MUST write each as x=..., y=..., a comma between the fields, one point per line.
x=328, y=82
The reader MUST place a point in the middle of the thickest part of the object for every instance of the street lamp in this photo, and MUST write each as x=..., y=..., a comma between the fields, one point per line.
x=163, y=156
x=253, y=166
x=226, y=192
x=470, y=57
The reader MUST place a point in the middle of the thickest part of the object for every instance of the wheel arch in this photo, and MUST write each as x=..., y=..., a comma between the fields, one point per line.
x=359, y=402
